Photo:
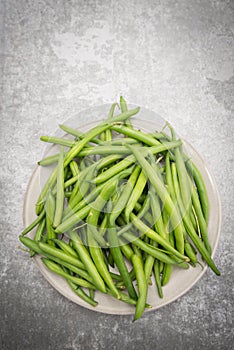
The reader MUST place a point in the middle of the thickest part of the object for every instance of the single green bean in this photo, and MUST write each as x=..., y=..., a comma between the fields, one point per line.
x=77, y=133
x=201, y=219
x=59, y=192
x=58, y=140
x=136, y=134
x=119, y=261
x=74, y=168
x=40, y=230
x=124, y=108
x=156, y=270
x=142, y=286
x=34, y=223
x=50, y=210
x=48, y=160
x=135, y=195
x=156, y=213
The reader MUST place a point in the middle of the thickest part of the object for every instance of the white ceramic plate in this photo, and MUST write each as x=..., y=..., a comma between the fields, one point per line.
x=181, y=280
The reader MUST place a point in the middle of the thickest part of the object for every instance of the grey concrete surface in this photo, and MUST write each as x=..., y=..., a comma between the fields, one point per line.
x=59, y=57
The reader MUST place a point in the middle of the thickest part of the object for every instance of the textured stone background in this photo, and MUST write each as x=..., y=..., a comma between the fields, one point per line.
x=59, y=57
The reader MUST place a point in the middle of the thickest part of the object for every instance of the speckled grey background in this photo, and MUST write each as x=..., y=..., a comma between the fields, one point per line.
x=59, y=57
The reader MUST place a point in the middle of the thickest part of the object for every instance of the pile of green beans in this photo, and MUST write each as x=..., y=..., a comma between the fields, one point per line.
x=120, y=198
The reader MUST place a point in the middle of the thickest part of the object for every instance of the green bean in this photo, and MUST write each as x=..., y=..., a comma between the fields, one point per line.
x=189, y=251
x=185, y=188
x=103, y=225
x=148, y=266
x=135, y=195
x=123, y=297
x=119, y=261
x=126, y=249
x=122, y=141
x=137, y=251
x=156, y=270
x=123, y=116
x=48, y=160
x=58, y=140
x=149, y=263
x=161, y=136
x=77, y=133
x=142, y=286
x=136, y=134
x=100, y=150
x=169, y=177
x=108, y=133
x=40, y=230
x=59, y=271
x=39, y=233
x=34, y=223
x=167, y=269
x=74, y=168
x=110, y=259
x=67, y=194
x=124, y=108
x=60, y=192
x=144, y=211
x=50, y=210
x=156, y=213
x=201, y=220
x=194, y=220
x=91, y=293
x=103, y=136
